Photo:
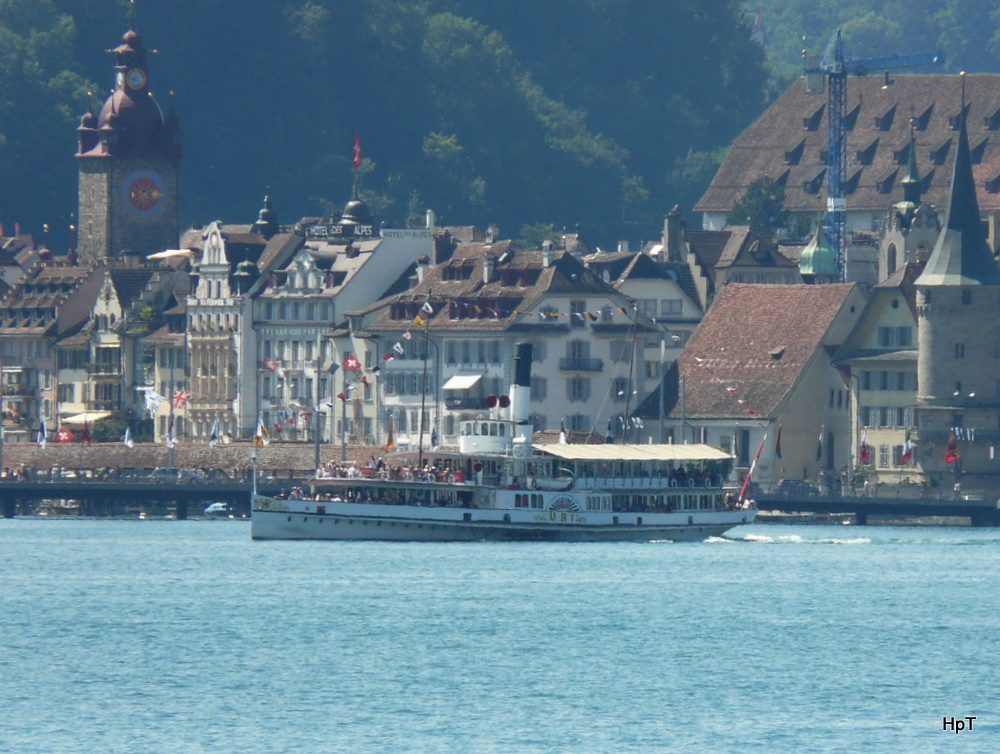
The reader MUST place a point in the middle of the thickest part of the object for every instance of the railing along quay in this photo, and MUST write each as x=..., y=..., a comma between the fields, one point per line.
x=981, y=511
x=95, y=497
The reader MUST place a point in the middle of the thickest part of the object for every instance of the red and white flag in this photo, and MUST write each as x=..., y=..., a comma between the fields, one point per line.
x=907, y=450
x=352, y=363
x=753, y=465
x=181, y=397
x=357, y=152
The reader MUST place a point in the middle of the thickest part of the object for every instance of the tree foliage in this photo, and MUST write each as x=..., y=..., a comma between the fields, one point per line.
x=966, y=31
x=761, y=207
x=600, y=113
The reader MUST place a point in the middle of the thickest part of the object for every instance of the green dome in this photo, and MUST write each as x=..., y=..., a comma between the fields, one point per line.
x=818, y=257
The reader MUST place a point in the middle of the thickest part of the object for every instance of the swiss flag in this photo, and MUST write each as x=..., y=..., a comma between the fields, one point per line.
x=357, y=152
x=352, y=363
x=64, y=435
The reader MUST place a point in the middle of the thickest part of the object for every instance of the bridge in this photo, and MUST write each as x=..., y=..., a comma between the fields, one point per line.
x=106, y=498
x=979, y=512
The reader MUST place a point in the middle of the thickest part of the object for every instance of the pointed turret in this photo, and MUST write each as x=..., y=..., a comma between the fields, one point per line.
x=961, y=255
x=911, y=181
x=267, y=220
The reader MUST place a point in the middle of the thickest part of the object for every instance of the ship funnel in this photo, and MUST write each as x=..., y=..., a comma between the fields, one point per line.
x=520, y=391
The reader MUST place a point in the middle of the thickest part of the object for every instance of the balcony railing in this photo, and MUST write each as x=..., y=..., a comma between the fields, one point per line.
x=465, y=403
x=18, y=390
x=581, y=365
x=104, y=405
x=99, y=368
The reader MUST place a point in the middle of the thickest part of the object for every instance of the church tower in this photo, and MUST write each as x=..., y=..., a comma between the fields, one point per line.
x=911, y=227
x=129, y=158
x=958, y=303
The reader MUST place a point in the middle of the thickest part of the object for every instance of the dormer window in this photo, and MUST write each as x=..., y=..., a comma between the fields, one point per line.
x=884, y=122
x=792, y=157
x=885, y=185
x=812, y=122
x=955, y=121
x=976, y=152
x=867, y=155
x=813, y=185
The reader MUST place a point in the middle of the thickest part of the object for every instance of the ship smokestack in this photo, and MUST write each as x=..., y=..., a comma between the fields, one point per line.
x=520, y=391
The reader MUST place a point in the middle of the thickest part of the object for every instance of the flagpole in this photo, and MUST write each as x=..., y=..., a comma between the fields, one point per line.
x=343, y=420
x=423, y=387
x=315, y=427
x=171, y=432
x=663, y=391
x=631, y=375
x=2, y=417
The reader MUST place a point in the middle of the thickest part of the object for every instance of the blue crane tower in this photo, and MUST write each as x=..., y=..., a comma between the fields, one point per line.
x=834, y=69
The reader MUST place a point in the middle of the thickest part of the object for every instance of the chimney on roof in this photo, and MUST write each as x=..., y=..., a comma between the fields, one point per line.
x=129, y=260
x=673, y=236
x=430, y=219
x=492, y=233
x=488, y=265
x=623, y=246
x=546, y=253
x=423, y=263
x=350, y=251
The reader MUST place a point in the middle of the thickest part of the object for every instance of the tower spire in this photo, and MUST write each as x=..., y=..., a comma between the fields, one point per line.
x=911, y=181
x=961, y=255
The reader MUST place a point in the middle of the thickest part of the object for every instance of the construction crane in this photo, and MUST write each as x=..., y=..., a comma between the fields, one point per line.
x=832, y=67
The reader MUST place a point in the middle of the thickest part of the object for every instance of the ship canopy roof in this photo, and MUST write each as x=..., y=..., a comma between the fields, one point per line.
x=611, y=452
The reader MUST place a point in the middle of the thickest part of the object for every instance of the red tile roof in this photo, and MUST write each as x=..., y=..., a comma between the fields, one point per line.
x=788, y=143
x=752, y=346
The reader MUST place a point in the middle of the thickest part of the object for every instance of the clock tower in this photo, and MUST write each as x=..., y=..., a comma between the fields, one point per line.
x=129, y=158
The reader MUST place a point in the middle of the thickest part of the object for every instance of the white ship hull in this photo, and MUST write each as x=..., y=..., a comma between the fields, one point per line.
x=501, y=486
x=372, y=521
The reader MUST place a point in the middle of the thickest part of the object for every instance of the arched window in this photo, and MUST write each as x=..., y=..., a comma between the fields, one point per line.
x=890, y=260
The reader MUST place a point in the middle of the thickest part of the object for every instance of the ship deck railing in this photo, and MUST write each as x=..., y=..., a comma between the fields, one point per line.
x=652, y=482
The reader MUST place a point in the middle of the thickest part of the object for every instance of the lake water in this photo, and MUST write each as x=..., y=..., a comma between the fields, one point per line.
x=186, y=636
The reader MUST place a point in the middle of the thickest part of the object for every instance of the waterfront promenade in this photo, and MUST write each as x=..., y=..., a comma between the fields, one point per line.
x=899, y=502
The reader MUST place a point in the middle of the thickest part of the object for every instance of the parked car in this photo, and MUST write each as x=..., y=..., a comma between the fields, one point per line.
x=165, y=474
x=192, y=475
x=796, y=488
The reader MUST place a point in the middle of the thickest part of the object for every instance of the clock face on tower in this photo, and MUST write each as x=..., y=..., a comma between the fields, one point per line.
x=145, y=192
x=135, y=78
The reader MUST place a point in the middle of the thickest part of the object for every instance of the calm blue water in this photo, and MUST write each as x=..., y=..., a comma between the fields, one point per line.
x=165, y=636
